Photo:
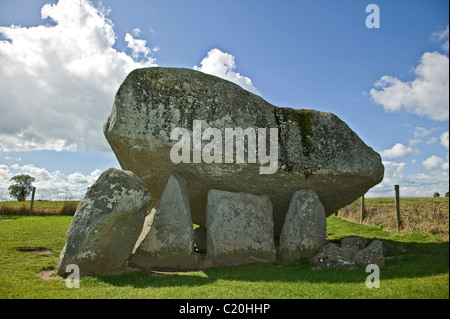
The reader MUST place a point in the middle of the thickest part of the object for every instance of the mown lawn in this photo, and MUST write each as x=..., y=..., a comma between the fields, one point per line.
x=420, y=273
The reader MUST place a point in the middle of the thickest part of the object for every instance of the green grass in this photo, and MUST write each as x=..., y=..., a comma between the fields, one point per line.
x=421, y=273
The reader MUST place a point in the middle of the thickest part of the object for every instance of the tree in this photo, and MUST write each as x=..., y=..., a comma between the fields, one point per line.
x=21, y=186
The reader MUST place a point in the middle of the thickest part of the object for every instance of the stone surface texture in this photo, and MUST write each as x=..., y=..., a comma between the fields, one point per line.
x=316, y=150
x=106, y=224
x=239, y=228
x=372, y=254
x=304, y=229
x=167, y=240
x=352, y=253
x=332, y=256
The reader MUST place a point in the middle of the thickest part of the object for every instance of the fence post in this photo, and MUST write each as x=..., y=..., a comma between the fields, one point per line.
x=363, y=209
x=32, y=200
x=397, y=206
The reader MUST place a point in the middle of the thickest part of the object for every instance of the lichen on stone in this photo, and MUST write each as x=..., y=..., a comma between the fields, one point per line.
x=303, y=118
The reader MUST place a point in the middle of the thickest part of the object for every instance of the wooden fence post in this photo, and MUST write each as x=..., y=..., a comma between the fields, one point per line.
x=32, y=200
x=363, y=209
x=397, y=206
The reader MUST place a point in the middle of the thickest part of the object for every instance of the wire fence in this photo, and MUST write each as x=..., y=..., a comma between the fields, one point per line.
x=438, y=189
x=410, y=190
x=410, y=208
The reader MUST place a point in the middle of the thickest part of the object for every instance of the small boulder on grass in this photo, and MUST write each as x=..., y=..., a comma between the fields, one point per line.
x=372, y=254
x=352, y=254
x=332, y=256
x=106, y=224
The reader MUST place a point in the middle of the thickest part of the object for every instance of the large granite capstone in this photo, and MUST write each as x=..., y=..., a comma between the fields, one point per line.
x=316, y=150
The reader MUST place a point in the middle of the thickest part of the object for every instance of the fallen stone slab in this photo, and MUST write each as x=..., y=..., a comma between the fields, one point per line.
x=372, y=254
x=106, y=224
x=352, y=244
x=356, y=242
x=155, y=108
x=332, y=256
x=352, y=253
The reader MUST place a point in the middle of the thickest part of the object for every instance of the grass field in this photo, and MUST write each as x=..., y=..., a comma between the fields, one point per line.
x=424, y=214
x=423, y=272
x=40, y=208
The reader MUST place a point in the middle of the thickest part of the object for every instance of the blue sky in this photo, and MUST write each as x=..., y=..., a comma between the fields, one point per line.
x=61, y=63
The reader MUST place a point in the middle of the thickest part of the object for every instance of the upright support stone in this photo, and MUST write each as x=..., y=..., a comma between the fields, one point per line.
x=239, y=228
x=106, y=224
x=167, y=240
x=304, y=228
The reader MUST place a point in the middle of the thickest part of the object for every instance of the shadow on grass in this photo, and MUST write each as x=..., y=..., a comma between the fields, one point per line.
x=420, y=260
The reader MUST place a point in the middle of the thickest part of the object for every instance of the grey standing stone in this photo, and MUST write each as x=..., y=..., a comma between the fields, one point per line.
x=167, y=240
x=106, y=224
x=316, y=150
x=304, y=228
x=239, y=228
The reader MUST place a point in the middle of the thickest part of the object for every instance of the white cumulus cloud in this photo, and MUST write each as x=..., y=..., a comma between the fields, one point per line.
x=222, y=64
x=394, y=174
x=421, y=132
x=432, y=140
x=427, y=95
x=397, y=151
x=52, y=185
x=432, y=162
x=79, y=178
x=445, y=165
x=137, y=46
x=5, y=173
x=442, y=36
x=58, y=82
x=444, y=139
